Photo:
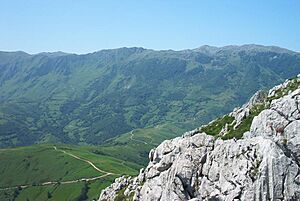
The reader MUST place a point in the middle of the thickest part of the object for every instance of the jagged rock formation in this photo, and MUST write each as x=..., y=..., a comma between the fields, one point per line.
x=241, y=113
x=263, y=165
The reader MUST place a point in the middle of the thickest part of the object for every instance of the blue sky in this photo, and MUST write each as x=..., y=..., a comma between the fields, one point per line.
x=90, y=25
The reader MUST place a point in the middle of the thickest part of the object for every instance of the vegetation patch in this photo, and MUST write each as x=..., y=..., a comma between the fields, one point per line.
x=293, y=85
x=34, y=165
x=216, y=126
x=121, y=196
x=245, y=125
x=87, y=99
x=135, y=146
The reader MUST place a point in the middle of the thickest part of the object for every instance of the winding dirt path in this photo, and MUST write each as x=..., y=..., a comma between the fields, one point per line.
x=70, y=181
x=56, y=182
x=84, y=160
x=132, y=135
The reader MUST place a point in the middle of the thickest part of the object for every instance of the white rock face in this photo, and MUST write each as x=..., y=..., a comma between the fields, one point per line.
x=240, y=114
x=263, y=166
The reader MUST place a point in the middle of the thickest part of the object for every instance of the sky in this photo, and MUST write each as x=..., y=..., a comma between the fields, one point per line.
x=82, y=26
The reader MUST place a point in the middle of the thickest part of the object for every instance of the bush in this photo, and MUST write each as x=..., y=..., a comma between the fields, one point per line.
x=49, y=195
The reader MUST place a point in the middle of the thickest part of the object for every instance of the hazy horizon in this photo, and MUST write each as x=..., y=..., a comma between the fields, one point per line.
x=89, y=26
x=233, y=45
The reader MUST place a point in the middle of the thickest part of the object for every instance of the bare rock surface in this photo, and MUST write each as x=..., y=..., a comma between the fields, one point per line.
x=264, y=165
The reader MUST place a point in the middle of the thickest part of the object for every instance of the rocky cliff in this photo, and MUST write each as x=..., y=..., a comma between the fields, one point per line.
x=252, y=153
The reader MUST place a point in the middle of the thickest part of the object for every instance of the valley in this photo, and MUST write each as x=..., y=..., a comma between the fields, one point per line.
x=64, y=170
x=90, y=98
x=71, y=124
x=34, y=172
x=149, y=100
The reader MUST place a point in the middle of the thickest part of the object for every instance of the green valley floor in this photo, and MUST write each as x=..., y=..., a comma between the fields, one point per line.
x=68, y=172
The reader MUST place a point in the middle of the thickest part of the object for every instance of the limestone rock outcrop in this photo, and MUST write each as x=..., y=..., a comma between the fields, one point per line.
x=263, y=165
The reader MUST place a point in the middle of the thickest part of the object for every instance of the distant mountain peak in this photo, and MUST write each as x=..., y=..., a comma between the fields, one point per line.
x=93, y=88
x=206, y=49
x=53, y=54
x=246, y=47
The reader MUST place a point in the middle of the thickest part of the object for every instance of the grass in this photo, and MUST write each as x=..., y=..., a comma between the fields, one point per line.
x=136, y=148
x=106, y=163
x=216, y=126
x=87, y=99
x=121, y=197
x=41, y=193
x=95, y=187
x=293, y=85
x=36, y=164
x=124, y=154
x=245, y=125
x=9, y=195
x=64, y=192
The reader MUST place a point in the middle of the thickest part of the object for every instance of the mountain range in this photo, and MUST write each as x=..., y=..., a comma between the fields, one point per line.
x=90, y=98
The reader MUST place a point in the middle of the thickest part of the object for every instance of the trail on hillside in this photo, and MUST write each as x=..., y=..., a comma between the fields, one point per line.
x=56, y=182
x=84, y=160
x=70, y=181
x=132, y=135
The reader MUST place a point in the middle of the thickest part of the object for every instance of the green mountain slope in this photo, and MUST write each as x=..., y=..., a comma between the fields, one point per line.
x=135, y=145
x=42, y=172
x=87, y=99
x=69, y=172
